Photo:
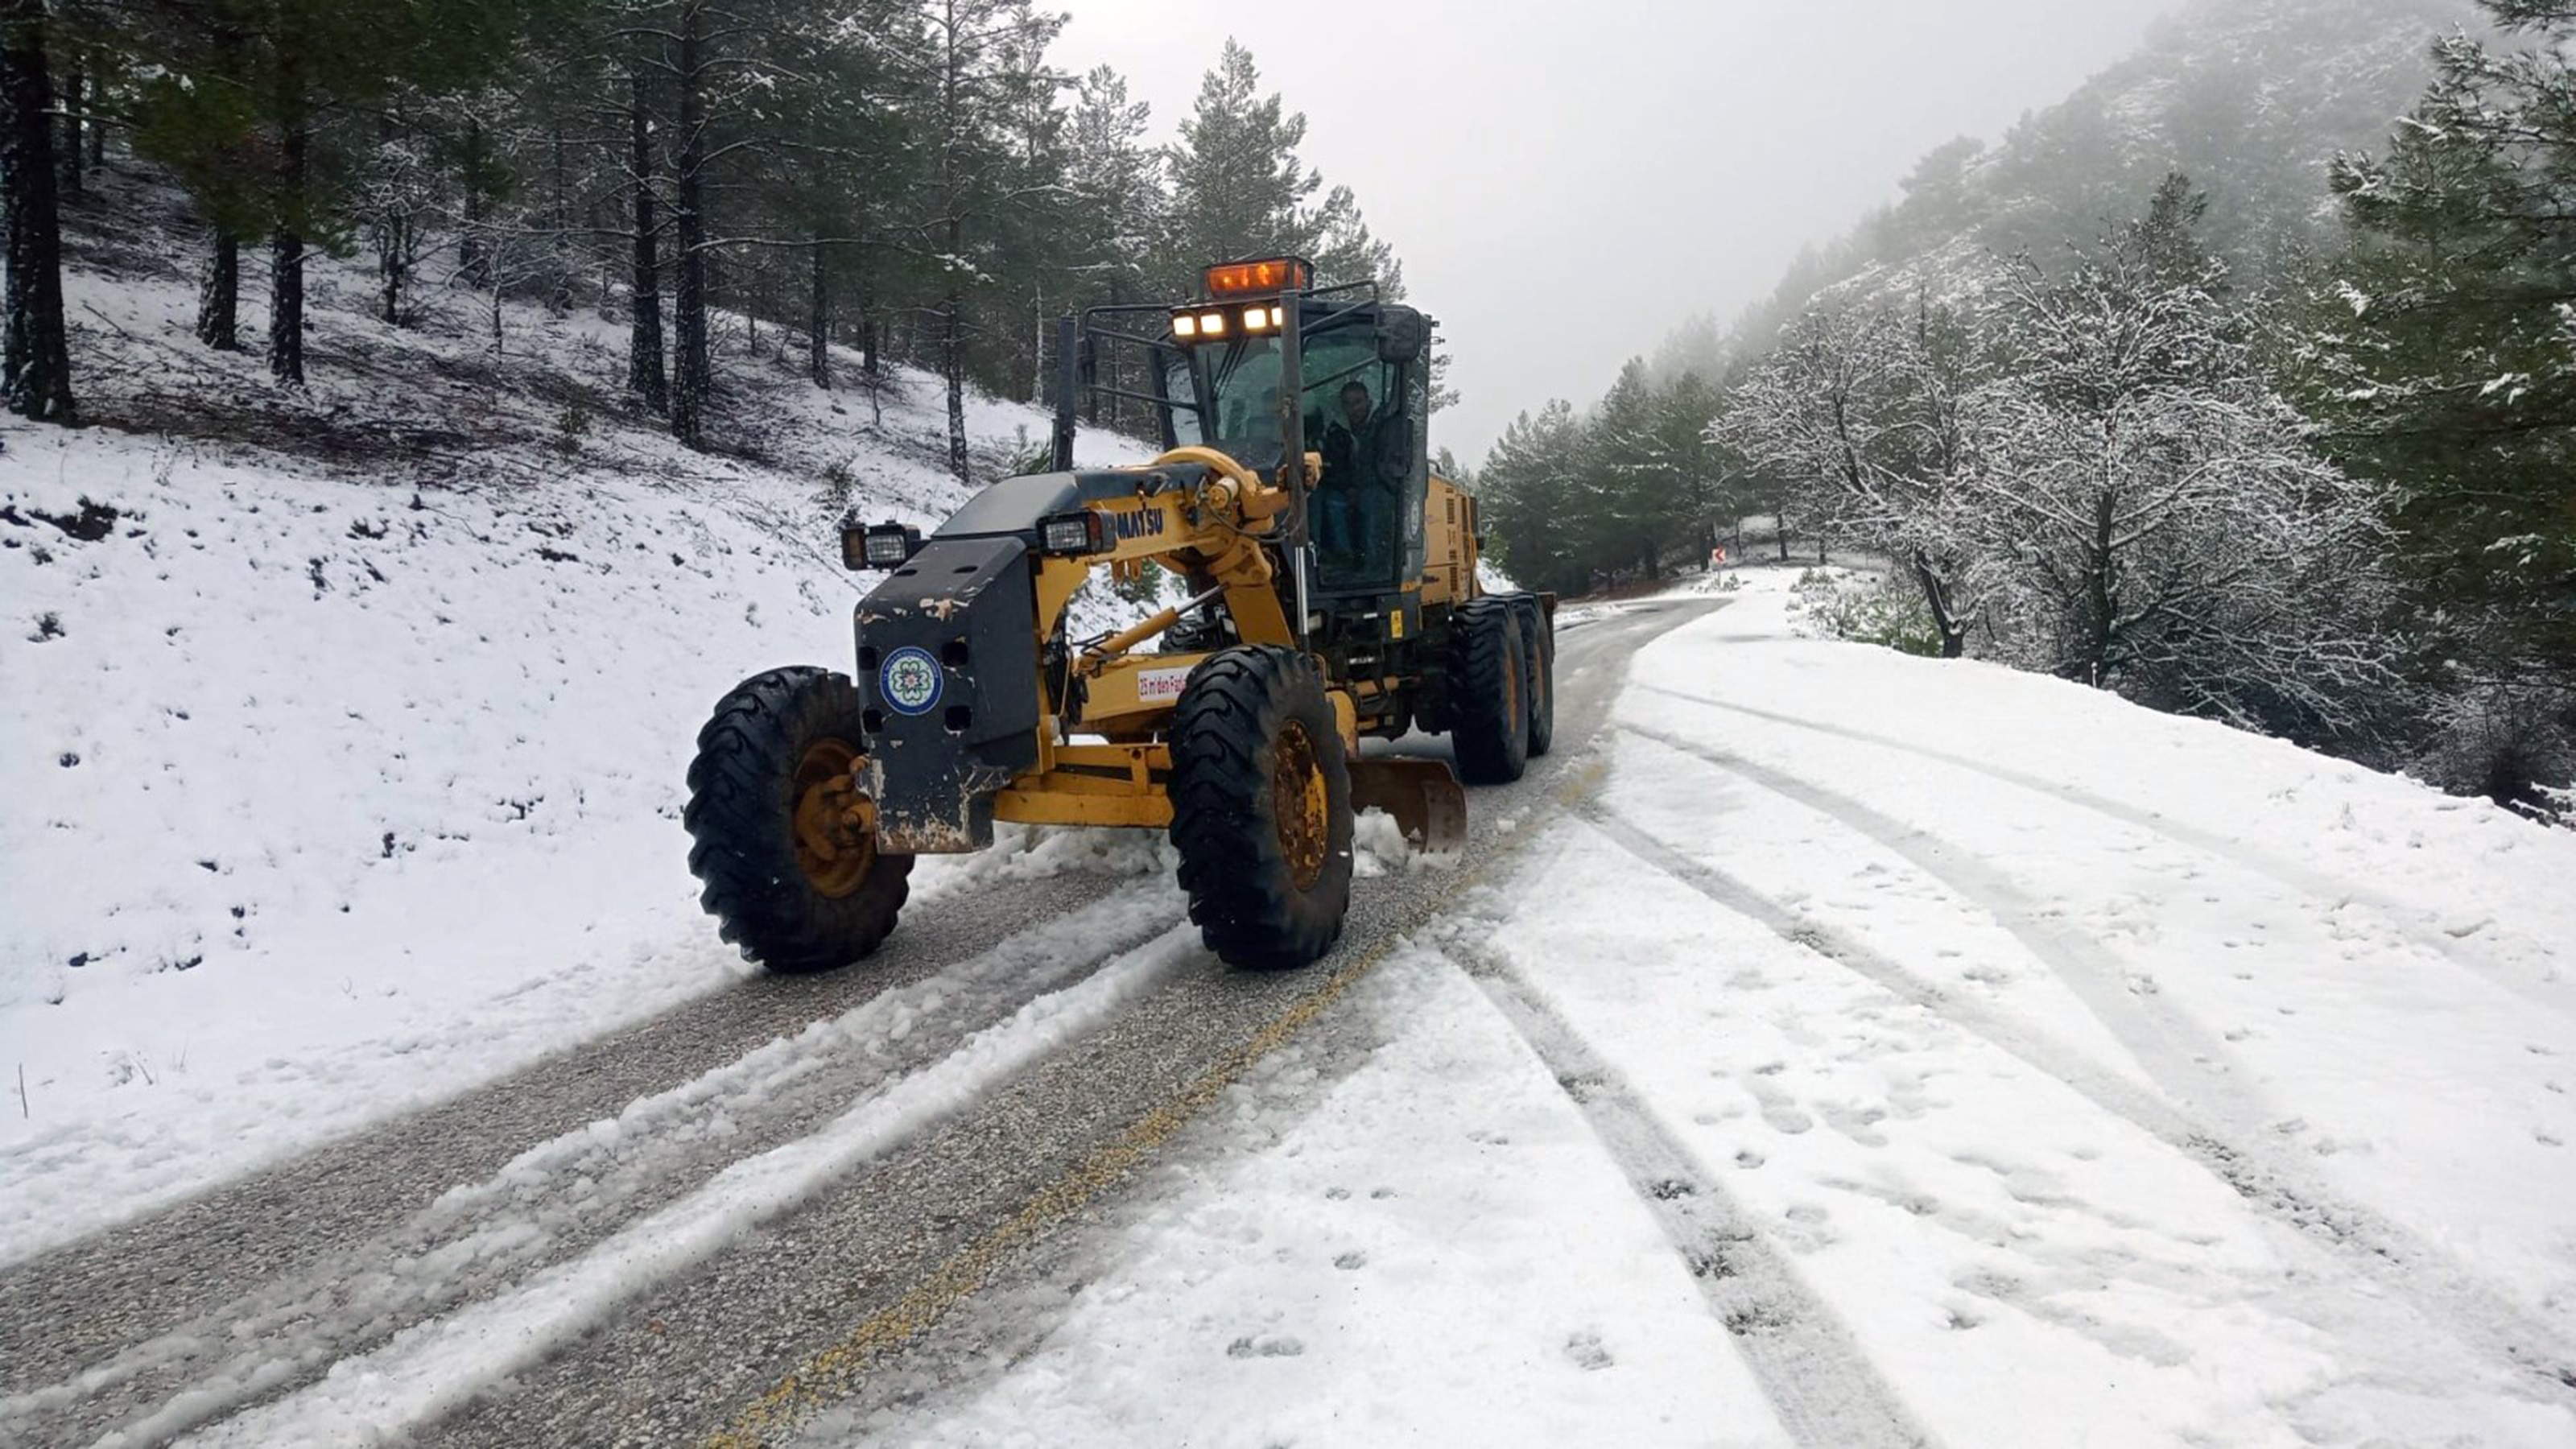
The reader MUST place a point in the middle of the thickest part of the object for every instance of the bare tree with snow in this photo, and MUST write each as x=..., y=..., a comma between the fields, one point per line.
x=2154, y=516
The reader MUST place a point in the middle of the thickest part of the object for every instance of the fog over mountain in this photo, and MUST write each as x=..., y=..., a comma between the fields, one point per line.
x=2252, y=99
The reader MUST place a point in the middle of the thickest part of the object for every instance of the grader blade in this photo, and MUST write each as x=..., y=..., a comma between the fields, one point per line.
x=1424, y=796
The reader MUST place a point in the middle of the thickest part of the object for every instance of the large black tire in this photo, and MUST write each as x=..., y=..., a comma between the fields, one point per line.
x=784, y=907
x=1261, y=808
x=1489, y=714
x=1538, y=651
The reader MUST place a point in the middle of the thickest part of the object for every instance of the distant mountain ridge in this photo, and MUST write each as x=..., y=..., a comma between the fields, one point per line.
x=2251, y=98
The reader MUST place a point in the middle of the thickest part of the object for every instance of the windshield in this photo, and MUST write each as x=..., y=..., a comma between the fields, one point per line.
x=1243, y=388
x=1362, y=417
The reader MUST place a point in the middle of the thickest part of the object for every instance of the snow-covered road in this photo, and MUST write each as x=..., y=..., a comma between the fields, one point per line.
x=1824, y=1047
x=1890, y=1052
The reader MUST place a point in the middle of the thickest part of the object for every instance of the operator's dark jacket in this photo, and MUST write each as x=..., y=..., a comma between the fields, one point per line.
x=1372, y=458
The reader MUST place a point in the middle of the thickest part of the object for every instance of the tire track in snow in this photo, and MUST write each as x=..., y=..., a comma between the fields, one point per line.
x=437, y=1368
x=2387, y=1253
x=2184, y=1060
x=1824, y=1389
x=561, y=1197
x=2106, y=1089
x=2409, y=921
x=130, y=1280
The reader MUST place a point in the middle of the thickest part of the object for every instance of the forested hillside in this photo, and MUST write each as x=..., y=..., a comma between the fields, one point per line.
x=2243, y=383
x=910, y=178
x=2252, y=99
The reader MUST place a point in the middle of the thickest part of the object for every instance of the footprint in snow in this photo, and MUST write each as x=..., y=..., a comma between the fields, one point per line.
x=1786, y=1118
x=1586, y=1351
x=1351, y=1260
x=1265, y=1345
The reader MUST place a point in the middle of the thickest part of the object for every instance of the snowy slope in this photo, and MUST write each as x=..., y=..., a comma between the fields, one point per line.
x=345, y=772
x=2004, y=1065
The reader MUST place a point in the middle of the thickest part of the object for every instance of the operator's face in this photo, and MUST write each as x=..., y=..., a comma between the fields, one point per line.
x=1355, y=406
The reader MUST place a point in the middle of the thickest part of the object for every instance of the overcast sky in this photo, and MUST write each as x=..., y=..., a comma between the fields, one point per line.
x=1566, y=179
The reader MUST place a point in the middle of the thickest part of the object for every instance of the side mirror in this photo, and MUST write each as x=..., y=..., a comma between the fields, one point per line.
x=1403, y=335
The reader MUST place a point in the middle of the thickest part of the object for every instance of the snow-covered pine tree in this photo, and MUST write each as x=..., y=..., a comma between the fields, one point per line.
x=1527, y=490
x=2444, y=346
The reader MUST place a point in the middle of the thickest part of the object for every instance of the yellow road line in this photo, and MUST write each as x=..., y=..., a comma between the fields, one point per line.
x=830, y=1373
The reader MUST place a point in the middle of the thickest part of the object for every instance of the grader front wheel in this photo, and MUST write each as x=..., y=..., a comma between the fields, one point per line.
x=783, y=843
x=1261, y=809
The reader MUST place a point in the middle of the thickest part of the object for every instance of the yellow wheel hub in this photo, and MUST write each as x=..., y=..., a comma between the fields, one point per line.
x=836, y=838
x=1300, y=805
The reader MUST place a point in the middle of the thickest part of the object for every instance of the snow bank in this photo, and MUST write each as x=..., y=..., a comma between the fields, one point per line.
x=333, y=789
x=2221, y=1086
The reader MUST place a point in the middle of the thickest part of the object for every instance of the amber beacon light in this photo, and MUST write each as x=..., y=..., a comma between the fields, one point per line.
x=1246, y=279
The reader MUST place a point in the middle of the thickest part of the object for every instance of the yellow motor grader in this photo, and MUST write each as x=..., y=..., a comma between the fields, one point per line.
x=1332, y=597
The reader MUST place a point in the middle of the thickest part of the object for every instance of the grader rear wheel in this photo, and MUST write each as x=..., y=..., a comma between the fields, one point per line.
x=1538, y=656
x=1261, y=809
x=782, y=843
x=1489, y=717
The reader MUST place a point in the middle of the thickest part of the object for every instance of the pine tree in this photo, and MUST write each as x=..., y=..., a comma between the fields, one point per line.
x=1528, y=491
x=35, y=357
x=2444, y=355
x=1115, y=202
x=260, y=106
x=1238, y=189
x=978, y=82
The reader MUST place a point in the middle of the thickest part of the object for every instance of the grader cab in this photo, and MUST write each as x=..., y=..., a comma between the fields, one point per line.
x=1332, y=598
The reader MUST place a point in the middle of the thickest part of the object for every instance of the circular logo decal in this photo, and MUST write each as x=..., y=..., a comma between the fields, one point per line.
x=910, y=679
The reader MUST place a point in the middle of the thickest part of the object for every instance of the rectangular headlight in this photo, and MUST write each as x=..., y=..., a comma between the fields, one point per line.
x=1070, y=533
x=888, y=548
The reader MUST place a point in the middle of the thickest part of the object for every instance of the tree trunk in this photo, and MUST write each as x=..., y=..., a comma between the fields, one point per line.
x=473, y=249
x=644, y=373
x=219, y=293
x=818, y=362
x=35, y=353
x=97, y=127
x=67, y=156
x=952, y=367
x=393, y=265
x=689, y=314
x=559, y=282
x=1936, y=597
x=2099, y=590
x=286, y=261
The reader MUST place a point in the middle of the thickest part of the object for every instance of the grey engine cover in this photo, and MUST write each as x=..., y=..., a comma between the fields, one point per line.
x=948, y=666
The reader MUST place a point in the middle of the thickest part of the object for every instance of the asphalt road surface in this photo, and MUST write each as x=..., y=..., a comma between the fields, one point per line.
x=205, y=1316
